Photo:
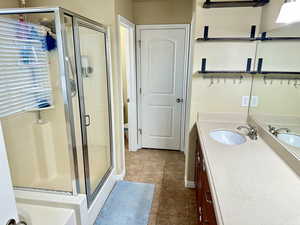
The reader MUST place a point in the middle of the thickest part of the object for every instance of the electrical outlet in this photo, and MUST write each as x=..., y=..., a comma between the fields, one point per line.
x=254, y=101
x=245, y=101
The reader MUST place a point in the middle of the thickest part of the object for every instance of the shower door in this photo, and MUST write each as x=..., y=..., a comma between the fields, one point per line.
x=95, y=107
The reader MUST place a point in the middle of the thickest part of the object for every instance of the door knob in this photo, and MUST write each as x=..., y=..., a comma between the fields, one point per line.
x=179, y=100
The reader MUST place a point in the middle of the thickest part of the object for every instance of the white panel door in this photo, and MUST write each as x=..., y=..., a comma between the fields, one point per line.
x=162, y=76
x=8, y=208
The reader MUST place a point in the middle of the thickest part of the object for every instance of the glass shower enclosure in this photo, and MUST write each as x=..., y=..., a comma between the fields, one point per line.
x=64, y=144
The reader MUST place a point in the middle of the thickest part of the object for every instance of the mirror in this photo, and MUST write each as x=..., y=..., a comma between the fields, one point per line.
x=275, y=97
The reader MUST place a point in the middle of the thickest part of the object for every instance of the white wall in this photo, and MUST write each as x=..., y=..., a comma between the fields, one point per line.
x=270, y=13
x=125, y=9
x=162, y=11
x=277, y=97
x=220, y=97
x=226, y=97
x=9, y=4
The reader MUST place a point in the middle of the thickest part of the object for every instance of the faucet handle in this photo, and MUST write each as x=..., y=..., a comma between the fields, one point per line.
x=271, y=129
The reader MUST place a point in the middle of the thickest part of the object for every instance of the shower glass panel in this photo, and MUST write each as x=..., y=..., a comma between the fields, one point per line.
x=95, y=105
x=72, y=75
x=36, y=138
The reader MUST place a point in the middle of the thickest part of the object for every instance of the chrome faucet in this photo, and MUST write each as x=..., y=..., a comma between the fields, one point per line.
x=275, y=131
x=252, y=131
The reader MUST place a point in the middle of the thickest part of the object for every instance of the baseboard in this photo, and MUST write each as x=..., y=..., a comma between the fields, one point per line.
x=121, y=176
x=189, y=184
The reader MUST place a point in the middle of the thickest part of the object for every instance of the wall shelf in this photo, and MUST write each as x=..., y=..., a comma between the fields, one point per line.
x=243, y=39
x=225, y=4
x=228, y=39
x=223, y=72
x=265, y=38
x=251, y=37
x=279, y=72
x=234, y=75
x=281, y=77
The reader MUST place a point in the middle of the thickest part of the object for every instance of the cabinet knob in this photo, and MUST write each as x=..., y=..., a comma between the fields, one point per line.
x=179, y=100
x=207, y=199
x=203, y=165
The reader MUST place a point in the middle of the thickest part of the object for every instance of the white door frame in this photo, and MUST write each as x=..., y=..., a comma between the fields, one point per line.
x=131, y=85
x=186, y=27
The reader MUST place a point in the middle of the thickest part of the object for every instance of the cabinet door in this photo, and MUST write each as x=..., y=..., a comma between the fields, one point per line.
x=197, y=182
x=208, y=208
x=197, y=169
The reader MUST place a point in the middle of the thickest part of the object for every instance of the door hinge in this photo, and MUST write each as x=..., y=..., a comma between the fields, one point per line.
x=141, y=131
x=140, y=90
x=140, y=43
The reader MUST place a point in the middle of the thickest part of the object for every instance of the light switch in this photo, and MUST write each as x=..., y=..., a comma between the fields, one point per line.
x=254, y=101
x=245, y=101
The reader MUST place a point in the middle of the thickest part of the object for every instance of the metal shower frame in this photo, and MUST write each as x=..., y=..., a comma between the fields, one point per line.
x=59, y=14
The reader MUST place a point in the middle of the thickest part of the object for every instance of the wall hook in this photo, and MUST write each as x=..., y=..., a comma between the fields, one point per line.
x=296, y=83
x=265, y=80
x=211, y=82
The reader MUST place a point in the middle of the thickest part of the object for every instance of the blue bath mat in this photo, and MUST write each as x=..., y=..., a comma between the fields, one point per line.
x=129, y=203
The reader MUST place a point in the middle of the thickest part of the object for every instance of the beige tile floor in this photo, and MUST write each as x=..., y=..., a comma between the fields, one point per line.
x=173, y=204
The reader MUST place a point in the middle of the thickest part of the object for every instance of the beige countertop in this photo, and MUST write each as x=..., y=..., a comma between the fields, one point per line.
x=250, y=183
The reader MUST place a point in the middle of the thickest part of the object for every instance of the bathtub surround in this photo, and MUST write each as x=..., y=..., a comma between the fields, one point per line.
x=128, y=203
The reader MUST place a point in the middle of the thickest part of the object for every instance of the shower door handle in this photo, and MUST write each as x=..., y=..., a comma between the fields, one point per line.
x=87, y=119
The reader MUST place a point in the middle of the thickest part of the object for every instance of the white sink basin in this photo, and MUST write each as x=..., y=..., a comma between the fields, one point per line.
x=290, y=139
x=227, y=137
